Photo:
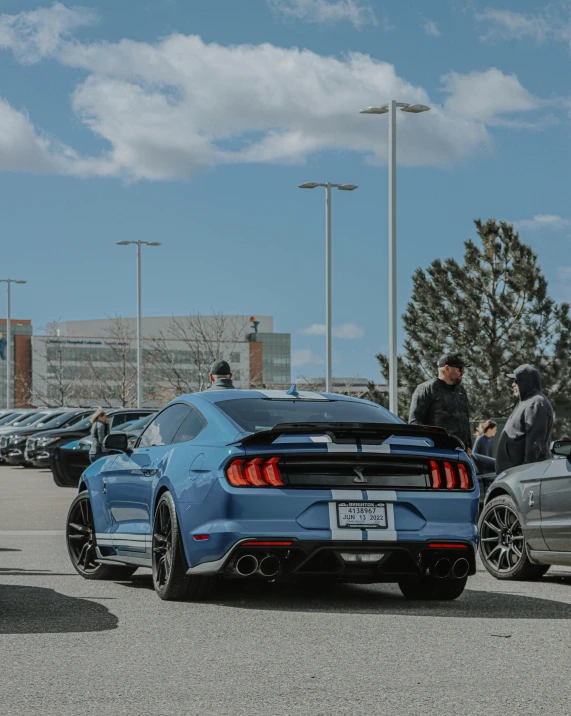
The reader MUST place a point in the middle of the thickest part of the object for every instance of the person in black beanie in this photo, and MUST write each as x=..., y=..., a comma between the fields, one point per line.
x=221, y=376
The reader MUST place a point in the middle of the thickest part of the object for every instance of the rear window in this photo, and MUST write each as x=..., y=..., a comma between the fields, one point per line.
x=254, y=414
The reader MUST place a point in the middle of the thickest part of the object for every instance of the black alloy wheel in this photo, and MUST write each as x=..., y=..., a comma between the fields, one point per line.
x=80, y=538
x=502, y=542
x=431, y=588
x=170, y=579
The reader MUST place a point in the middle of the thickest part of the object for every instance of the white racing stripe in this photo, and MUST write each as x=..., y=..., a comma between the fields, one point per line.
x=376, y=448
x=345, y=533
x=389, y=534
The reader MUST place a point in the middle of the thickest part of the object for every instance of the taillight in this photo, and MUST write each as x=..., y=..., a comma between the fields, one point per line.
x=450, y=478
x=253, y=472
x=449, y=475
x=435, y=474
x=235, y=474
x=464, y=478
x=256, y=472
x=271, y=472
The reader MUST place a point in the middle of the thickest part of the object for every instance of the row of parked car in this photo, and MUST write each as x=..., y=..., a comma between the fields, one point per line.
x=59, y=438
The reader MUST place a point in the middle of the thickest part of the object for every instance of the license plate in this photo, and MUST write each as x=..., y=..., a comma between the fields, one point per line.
x=369, y=515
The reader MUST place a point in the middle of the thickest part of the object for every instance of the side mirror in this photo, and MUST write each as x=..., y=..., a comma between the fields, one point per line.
x=561, y=447
x=118, y=442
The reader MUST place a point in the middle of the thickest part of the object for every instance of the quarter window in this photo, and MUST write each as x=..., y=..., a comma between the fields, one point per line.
x=164, y=427
x=191, y=426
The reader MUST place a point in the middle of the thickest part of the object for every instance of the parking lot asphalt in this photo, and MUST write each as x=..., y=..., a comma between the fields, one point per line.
x=75, y=647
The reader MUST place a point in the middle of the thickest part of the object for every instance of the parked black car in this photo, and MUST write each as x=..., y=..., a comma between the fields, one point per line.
x=13, y=438
x=13, y=445
x=67, y=466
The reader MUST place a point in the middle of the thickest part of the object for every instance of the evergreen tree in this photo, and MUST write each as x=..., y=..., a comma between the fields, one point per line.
x=495, y=311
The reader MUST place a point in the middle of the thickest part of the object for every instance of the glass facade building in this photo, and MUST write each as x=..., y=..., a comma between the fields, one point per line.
x=275, y=358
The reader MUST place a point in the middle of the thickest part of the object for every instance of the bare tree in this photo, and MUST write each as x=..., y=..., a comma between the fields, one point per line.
x=113, y=373
x=60, y=383
x=180, y=357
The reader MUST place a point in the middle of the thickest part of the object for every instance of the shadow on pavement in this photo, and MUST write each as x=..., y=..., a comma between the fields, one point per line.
x=386, y=599
x=37, y=610
x=372, y=599
x=8, y=549
x=12, y=571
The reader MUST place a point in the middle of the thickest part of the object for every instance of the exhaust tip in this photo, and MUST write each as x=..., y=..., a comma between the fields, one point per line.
x=461, y=568
x=269, y=566
x=246, y=565
x=442, y=568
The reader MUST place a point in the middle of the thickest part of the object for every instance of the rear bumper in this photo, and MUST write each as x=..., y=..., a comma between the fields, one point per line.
x=391, y=561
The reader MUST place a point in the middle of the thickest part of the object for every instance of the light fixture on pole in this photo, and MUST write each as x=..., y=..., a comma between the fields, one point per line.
x=328, y=326
x=390, y=109
x=9, y=282
x=139, y=328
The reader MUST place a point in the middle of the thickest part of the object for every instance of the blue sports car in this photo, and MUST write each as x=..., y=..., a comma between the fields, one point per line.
x=279, y=485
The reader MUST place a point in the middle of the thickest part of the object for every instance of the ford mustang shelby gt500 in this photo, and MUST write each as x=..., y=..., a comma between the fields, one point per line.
x=279, y=485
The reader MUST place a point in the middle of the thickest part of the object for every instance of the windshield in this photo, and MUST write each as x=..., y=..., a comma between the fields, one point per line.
x=31, y=419
x=83, y=425
x=10, y=418
x=255, y=414
x=58, y=420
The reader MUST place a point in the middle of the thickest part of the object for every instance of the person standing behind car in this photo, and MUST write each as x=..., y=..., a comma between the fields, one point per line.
x=483, y=444
x=443, y=402
x=221, y=376
x=527, y=435
x=99, y=431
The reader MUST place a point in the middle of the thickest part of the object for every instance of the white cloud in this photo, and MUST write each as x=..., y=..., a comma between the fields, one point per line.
x=549, y=24
x=168, y=109
x=39, y=33
x=543, y=221
x=326, y=11
x=345, y=330
x=486, y=95
x=304, y=356
x=23, y=149
x=431, y=28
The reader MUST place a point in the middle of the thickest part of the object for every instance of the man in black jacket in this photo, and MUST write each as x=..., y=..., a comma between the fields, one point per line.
x=443, y=401
x=221, y=376
x=527, y=434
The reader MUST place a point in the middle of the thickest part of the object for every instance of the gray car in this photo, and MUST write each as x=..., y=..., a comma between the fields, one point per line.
x=525, y=524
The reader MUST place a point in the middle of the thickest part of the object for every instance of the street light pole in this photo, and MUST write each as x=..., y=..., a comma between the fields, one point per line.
x=328, y=292
x=139, y=316
x=328, y=324
x=391, y=109
x=139, y=331
x=9, y=282
x=393, y=371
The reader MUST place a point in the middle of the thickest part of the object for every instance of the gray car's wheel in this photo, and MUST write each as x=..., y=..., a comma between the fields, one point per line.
x=169, y=561
x=502, y=542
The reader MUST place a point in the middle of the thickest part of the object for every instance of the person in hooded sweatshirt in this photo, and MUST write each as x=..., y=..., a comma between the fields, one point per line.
x=527, y=434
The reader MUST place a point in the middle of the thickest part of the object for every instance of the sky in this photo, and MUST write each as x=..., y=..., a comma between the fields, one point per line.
x=192, y=123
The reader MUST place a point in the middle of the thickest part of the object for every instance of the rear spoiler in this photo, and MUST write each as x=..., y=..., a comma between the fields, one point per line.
x=339, y=432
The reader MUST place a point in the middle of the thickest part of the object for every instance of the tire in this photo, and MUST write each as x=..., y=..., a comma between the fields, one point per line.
x=502, y=545
x=170, y=580
x=60, y=478
x=80, y=539
x=432, y=589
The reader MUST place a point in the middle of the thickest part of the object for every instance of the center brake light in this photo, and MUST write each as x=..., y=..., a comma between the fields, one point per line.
x=256, y=472
x=449, y=475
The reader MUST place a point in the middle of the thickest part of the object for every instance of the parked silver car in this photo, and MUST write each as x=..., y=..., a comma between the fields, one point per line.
x=525, y=524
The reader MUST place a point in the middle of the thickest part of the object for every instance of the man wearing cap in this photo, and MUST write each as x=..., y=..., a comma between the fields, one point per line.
x=527, y=434
x=443, y=401
x=221, y=376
